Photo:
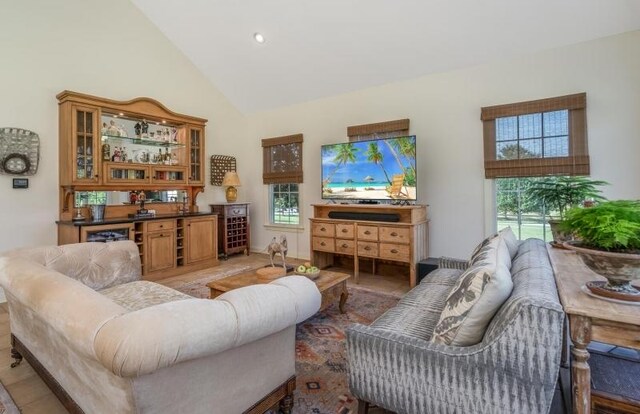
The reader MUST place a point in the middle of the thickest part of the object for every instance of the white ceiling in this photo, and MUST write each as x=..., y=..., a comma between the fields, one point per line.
x=317, y=48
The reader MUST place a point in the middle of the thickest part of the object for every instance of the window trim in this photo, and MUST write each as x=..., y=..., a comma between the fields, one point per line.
x=576, y=163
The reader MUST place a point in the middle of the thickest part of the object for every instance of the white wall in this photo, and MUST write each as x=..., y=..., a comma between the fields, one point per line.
x=445, y=115
x=104, y=48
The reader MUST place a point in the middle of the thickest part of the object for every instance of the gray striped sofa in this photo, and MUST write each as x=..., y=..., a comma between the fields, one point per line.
x=393, y=365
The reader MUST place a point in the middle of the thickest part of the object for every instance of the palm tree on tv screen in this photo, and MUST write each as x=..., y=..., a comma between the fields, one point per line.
x=345, y=153
x=375, y=156
x=404, y=146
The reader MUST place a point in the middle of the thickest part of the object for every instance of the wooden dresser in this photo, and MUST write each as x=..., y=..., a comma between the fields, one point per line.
x=233, y=228
x=365, y=234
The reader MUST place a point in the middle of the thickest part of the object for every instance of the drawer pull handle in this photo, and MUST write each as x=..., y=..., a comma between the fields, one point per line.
x=323, y=229
x=367, y=232
x=394, y=251
x=394, y=234
x=345, y=245
x=345, y=230
x=367, y=248
x=323, y=244
x=162, y=225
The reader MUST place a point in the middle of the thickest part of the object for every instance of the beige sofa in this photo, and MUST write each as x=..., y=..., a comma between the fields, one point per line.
x=116, y=344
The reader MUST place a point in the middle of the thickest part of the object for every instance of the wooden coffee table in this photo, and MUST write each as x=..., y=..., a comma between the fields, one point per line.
x=332, y=286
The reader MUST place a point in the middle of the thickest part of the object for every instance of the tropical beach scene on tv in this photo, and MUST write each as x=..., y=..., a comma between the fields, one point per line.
x=381, y=169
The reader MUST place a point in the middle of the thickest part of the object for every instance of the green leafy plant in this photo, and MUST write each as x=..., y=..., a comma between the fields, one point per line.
x=559, y=194
x=610, y=225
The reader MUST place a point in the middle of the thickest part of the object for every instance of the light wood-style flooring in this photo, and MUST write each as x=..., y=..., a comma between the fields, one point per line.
x=32, y=396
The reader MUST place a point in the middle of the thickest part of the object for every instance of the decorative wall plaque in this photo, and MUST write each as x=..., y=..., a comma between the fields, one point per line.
x=220, y=164
x=19, y=151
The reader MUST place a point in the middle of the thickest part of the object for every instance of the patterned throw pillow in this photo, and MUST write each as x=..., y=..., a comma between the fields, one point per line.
x=480, y=246
x=476, y=297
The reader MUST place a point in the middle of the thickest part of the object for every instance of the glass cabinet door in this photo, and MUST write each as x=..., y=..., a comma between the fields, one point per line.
x=85, y=166
x=196, y=150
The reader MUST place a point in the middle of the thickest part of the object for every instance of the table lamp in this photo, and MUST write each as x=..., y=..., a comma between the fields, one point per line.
x=231, y=181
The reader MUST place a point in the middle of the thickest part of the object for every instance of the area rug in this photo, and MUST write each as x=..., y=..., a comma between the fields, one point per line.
x=198, y=287
x=7, y=406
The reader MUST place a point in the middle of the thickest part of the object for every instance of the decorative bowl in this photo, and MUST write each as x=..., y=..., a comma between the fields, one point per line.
x=312, y=276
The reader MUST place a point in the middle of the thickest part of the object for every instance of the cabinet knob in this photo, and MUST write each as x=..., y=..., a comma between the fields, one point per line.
x=345, y=230
x=394, y=234
x=367, y=248
x=322, y=244
x=394, y=251
x=345, y=245
x=323, y=229
x=162, y=225
x=367, y=232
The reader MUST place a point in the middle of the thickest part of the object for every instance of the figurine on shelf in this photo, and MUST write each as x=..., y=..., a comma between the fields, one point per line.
x=122, y=132
x=174, y=135
x=116, y=155
x=112, y=129
x=138, y=128
x=133, y=197
x=106, y=151
x=123, y=154
x=145, y=128
x=104, y=128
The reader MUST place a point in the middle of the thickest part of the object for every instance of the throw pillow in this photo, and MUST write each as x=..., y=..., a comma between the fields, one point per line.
x=479, y=247
x=476, y=297
x=511, y=241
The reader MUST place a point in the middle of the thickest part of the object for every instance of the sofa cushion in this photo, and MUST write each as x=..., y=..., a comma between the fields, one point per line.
x=142, y=294
x=511, y=240
x=480, y=246
x=417, y=313
x=476, y=297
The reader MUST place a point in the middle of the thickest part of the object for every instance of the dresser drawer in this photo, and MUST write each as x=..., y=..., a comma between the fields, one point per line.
x=344, y=246
x=236, y=211
x=324, y=243
x=161, y=225
x=399, y=252
x=344, y=231
x=323, y=229
x=367, y=232
x=394, y=234
x=367, y=249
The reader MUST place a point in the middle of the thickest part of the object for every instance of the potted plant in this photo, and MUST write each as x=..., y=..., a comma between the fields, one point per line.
x=609, y=244
x=559, y=194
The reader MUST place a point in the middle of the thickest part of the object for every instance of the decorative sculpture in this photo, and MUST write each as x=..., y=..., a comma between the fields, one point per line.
x=278, y=248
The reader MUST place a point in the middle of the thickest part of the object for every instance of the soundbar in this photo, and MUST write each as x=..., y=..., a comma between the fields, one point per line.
x=353, y=215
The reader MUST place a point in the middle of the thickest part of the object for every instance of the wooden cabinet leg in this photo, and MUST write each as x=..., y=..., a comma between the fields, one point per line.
x=17, y=358
x=580, y=371
x=286, y=404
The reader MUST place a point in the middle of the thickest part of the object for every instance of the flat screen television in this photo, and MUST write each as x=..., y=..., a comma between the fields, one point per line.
x=380, y=169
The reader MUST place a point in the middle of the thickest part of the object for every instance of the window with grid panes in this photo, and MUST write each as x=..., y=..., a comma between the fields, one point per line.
x=284, y=201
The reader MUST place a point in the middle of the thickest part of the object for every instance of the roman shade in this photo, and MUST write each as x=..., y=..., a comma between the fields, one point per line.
x=282, y=159
x=387, y=129
x=574, y=162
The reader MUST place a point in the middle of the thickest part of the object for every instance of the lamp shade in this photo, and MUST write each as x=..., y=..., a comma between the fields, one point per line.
x=231, y=179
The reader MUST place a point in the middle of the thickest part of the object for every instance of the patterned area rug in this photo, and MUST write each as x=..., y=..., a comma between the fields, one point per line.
x=7, y=406
x=321, y=358
x=321, y=361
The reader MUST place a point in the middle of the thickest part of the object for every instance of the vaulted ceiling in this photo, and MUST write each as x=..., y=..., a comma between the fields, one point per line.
x=318, y=48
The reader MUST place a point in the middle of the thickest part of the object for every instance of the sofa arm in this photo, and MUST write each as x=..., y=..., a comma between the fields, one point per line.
x=146, y=340
x=451, y=263
x=514, y=372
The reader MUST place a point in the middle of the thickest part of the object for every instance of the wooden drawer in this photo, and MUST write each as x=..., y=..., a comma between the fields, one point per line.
x=394, y=234
x=161, y=225
x=323, y=229
x=326, y=244
x=236, y=211
x=344, y=246
x=367, y=232
x=344, y=231
x=367, y=249
x=399, y=252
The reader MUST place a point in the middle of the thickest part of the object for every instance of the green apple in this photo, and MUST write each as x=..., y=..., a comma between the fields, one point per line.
x=301, y=269
x=314, y=269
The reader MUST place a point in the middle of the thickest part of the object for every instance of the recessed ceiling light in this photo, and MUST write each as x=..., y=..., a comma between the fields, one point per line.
x=258, y=37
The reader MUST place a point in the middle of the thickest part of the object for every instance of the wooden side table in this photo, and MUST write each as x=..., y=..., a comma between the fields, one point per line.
x=234, y=229
x=590, y=319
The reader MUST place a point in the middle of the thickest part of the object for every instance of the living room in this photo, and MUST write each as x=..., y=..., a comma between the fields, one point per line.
x=123, y=50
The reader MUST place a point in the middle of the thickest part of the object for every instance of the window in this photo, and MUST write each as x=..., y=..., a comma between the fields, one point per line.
x=527, y=217
x=282, y=171
x=536, y=138
x=284, y=204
